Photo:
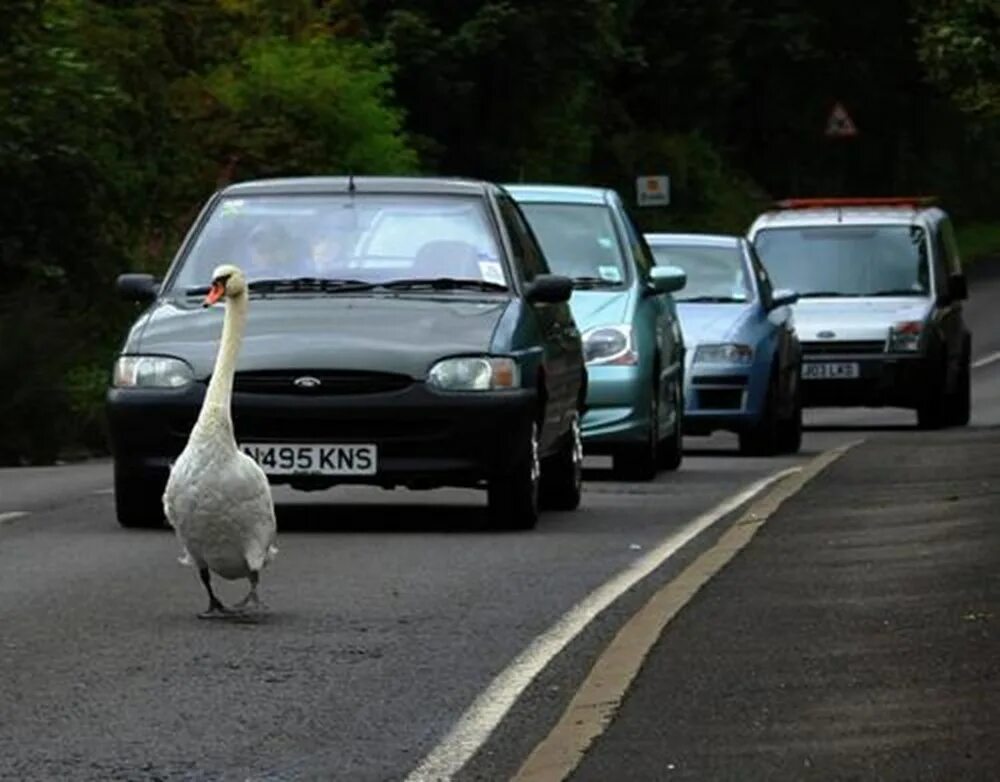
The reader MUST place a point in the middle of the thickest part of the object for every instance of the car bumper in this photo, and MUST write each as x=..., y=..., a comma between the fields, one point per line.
x=724, y=396
x=618, y=401
x=424, y=438
x=887, y=380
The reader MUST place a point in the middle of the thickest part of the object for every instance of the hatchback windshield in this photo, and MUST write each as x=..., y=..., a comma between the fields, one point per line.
x=579, y=241
x=366, y=238
x=714, y=274
x=876, y=260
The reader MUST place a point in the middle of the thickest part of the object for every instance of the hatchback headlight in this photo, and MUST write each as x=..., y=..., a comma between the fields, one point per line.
x=728, y=353
x=905, y=337
x=485, y=373
x=610, y=345
x=151, y=372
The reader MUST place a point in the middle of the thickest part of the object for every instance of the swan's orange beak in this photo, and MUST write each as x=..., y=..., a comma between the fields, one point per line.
x=215, y=293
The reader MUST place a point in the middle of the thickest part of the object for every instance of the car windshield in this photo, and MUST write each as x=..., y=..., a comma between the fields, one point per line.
x=869, y=260
x=362, y=239
x=714, y=273
x=579, y=241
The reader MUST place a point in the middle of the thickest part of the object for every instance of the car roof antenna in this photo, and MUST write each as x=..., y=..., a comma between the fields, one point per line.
x=351, y=188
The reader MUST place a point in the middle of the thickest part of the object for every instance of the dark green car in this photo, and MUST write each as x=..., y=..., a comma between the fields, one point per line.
x=401, y=332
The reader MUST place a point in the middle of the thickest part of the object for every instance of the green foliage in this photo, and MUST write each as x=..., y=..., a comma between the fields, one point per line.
x=978, y=240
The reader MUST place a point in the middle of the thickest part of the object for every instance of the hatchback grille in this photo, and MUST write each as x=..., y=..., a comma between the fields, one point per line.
x=720, y=380
x=844, y=347
x=310, y=429
x=720, y=398
x=318, y=383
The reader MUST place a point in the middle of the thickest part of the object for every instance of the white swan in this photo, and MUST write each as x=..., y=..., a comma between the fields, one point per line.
x=217, y=498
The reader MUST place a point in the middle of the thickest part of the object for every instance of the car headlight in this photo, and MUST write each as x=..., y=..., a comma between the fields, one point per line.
x=475, y=374
x=151, y=372
x=610, y=345
x=905, y=336
x=728, y=353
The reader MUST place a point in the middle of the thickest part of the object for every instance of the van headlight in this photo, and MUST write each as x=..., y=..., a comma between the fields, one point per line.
x=728, y=353
x=151, y=372
x=610, y=345
x=905, y=337
x=486, y=373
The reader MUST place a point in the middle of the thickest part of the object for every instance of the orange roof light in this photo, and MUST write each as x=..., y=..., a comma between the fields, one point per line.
x=821, y=203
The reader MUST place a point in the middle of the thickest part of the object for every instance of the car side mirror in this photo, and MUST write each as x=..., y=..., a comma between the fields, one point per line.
x=666, y=279
x=783, y=297
x=549, y=289
x=958, y=287
x=140, y=288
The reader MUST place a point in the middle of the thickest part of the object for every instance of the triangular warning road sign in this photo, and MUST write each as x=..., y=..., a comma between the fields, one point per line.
x=840, y=123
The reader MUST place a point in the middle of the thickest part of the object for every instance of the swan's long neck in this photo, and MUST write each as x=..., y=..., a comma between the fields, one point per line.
x=216, y=407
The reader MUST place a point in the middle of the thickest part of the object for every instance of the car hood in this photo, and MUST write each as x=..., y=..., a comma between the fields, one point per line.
x=404, y=334
x=855, y=319
x=599, y=308
x=711, y=323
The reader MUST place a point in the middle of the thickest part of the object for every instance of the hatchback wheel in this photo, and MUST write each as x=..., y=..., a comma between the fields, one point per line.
x=762, y=438
x=672, y=449
x=638, y=461
x=138, y=499
x=562, y=473
x=512, y=498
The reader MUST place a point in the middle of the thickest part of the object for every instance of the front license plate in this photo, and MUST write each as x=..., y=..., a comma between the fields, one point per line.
x=284, y=459
x=838, y=370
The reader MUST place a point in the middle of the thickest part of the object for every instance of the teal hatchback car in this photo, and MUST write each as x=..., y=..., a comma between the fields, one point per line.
x=623, y=306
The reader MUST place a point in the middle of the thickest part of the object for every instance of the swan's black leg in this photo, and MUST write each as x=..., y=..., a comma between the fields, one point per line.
x=251, y=598
x=215, y=607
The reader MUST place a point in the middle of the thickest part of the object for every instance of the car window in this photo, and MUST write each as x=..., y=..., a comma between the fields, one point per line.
x=713, y=272
x=763, y=278
x=953, y=260
x=526, y=252
x=847, y=260
x=579, y=240
x=640, y=250
x=374, y=238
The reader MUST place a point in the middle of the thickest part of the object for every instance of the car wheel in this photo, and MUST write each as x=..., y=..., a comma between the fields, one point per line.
x=934, y=409
x=638, y=461
x=512, y=498
x=960, y=404
x=671, y=452
x=761, y=439
x=138, y=500
x=562, y=473
x=790, y=430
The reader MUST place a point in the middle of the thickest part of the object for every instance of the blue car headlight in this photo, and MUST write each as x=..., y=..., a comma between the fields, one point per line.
x=475, y=373
x=726, y=353
x=610, y=345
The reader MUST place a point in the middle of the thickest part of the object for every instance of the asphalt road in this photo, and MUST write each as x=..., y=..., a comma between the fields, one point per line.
x=388, y=614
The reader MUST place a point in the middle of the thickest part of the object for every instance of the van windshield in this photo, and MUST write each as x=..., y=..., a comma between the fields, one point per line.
x=848, y=260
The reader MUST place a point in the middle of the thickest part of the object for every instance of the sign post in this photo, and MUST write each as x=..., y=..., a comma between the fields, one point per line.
x=653, y=190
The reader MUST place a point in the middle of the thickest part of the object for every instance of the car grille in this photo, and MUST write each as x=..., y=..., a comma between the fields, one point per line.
x=843, y=347
x=720, y=380
x=315, y=429
x=720, y=398
x=319, y=382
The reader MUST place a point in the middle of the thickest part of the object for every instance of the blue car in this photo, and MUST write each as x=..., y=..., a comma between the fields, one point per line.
x=623, y=306
x=743, y=355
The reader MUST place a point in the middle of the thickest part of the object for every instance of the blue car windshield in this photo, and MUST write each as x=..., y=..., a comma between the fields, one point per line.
x=714, y=273
x=367, y=238
x=579, y=241
x=847, y=260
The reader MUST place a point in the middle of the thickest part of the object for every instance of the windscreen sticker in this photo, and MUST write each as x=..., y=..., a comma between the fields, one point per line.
x=232, y=206
x=491, y=272
x=610, y=273
x=605, y=242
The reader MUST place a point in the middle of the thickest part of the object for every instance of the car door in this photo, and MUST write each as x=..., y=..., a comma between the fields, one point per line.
x=563, y=353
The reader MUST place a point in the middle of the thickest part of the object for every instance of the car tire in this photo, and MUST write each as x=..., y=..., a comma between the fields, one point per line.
x=934, y=411
x=960, y=404
x=762, y=438
x=562, y=473
x=671, y=450
x=790, y=430
x=139, y=500
x=638, y=461
x=512, y=498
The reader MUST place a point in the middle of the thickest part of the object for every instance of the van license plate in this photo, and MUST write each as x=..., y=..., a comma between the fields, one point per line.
x=838, y=370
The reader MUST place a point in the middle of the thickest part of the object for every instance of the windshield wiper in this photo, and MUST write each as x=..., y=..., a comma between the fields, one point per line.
x=443, y=284
x=594, y=282
x=296, y=285
x=711, y=300
x=898, y=292
x=825, y=295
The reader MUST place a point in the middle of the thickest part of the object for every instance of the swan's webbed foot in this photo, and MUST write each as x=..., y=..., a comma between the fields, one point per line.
x=251, y=599
x=216, y=610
